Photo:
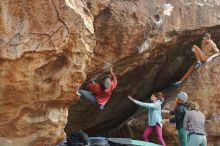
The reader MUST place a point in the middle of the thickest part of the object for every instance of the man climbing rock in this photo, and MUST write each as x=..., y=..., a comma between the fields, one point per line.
x=100, y=93
x=208, y=52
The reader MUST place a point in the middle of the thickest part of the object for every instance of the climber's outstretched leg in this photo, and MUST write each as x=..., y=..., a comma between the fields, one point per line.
x=207, y=53
x=87, y=95
x=188, y=73
x=90, y=97
x=200, y=57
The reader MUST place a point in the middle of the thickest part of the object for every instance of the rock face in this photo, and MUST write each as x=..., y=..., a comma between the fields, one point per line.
x=46, y=47
x=50, y=47
x=120, y=28
x=203, y=88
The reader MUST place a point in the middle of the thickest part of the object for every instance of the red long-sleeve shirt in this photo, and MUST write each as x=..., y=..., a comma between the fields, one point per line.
x=102, y=97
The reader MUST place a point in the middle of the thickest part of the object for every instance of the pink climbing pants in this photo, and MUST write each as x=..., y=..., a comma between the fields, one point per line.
x=158, y=130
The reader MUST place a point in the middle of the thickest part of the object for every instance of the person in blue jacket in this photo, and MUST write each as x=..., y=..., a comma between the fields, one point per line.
x=179, y=113
x=154, y=117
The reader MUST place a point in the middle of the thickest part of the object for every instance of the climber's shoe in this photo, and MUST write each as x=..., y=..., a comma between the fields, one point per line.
x=77, y=93
x=101, y=107
x=176, y=84
x=198, y=64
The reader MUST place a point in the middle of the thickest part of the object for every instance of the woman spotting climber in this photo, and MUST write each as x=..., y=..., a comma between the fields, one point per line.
x=99, y=93
x=154, y=116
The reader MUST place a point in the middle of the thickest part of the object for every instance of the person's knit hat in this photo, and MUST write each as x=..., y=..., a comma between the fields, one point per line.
x=182, y=96
x=107, y=83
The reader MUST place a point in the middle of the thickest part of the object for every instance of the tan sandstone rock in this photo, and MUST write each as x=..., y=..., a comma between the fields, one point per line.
x=120, y=28
x=46, y=48
x=50, y=47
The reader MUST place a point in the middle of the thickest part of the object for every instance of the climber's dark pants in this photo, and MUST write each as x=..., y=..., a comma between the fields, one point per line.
x=88, y=95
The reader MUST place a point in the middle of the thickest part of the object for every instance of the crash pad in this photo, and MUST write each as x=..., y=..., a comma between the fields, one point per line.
x=143, y=143
x=129, y=141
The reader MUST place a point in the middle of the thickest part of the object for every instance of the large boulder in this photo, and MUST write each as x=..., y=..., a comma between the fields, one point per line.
x=50, y=47
x=46, y=47
x=123, y=26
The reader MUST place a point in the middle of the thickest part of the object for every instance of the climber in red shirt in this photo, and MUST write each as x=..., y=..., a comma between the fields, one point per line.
x=100, y=93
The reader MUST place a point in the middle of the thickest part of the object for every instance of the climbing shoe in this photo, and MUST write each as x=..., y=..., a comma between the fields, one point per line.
x=198, y=64
x=77, y=93
x=101, y=107
x=176, y=84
